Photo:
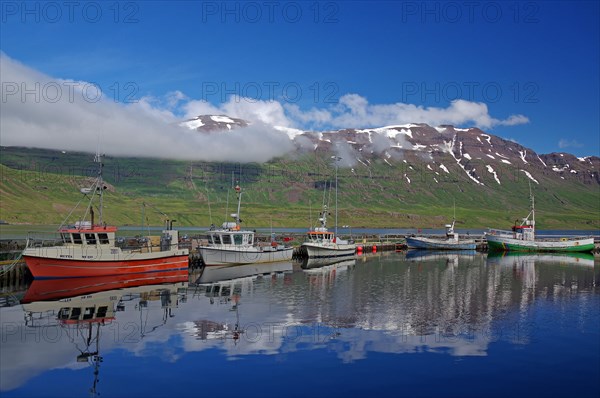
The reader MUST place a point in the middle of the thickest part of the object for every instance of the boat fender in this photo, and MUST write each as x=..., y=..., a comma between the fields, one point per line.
x=563, y=239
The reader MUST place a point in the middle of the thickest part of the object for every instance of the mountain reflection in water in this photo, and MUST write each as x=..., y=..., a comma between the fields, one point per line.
x=457, y=305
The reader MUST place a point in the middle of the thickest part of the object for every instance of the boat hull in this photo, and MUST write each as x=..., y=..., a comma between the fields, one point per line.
x=439, y=244
x=503, y=243
x=219, y=257
x=315, y=250
x=47, y=268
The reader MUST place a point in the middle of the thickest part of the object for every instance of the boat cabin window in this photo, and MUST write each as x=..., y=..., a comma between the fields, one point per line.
x=249, y=239
x=66, y=238
x=77, y=239
x=103, y=238
x=215, y=239
x=226, y=239
x=89, y=313
x=237, y=239
x=90, y=239
x=76, y=311
x=320, y=237
x=101, y=313
x=63, y=313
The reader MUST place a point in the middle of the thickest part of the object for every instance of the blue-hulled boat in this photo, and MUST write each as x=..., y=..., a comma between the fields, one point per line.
x=450, y=242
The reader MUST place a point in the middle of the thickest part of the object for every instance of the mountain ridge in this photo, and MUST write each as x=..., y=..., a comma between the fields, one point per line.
x=401, y=176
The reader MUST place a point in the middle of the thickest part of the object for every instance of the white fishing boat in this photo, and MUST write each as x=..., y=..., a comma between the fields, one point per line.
x=230, y=245
x=522, y=238
x=321, y=242
x=324, y=243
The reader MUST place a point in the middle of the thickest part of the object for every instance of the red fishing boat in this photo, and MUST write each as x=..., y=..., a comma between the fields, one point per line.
x=87, y=248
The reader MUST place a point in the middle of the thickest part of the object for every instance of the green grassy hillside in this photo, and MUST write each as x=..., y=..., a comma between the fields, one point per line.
x=40, y=187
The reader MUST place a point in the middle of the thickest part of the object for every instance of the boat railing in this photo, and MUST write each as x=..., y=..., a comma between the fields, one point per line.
x=145, y=244
x=43, y=239
x=565, y=237
x=500, y=232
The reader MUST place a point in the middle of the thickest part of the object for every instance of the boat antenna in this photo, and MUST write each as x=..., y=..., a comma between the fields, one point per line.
x=310, y=219
x=208, y=200
x=100, y=184
x=227, y=205
x=454, y=216
x=239, y=192
x=337, y=159
x=532, y=207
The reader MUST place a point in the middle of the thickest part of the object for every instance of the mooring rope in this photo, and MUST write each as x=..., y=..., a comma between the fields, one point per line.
x=7, y=268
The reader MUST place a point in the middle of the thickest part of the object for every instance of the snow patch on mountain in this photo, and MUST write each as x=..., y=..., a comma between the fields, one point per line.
x=528, y=174
x=193, y=124
x=444, y=168
x=523, y=154
x=491, y=171
x=222, y=119
x=487, y=138
x=506, y=161
x=538, y=156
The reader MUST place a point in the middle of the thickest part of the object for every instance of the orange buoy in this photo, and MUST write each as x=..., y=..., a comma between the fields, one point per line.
x=374, y=248
x=359, y=249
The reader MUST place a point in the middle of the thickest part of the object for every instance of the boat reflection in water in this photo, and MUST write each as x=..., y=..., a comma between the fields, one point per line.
x=81, y=307
x=325, y=264
x=521, y=258
x=225, y=286
x=451, y=257
x=216, y=274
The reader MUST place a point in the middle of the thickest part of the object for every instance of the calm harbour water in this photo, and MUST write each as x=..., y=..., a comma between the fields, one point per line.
x=397, y=324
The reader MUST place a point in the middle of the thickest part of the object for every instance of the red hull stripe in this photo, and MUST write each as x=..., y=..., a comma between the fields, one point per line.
x=63, y=268
x=54, y=289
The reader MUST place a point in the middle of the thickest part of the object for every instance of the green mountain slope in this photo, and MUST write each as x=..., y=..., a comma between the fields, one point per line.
x=40, y=187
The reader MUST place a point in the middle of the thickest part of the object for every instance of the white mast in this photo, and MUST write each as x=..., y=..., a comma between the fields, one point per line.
x=100, y=183
x=337, y=159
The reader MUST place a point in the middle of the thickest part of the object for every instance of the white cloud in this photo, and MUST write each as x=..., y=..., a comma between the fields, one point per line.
x=354, y=110
x=565, y=143
x=82, y=116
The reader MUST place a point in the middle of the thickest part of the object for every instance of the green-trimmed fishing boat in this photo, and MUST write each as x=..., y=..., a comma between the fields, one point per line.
x=522, y=238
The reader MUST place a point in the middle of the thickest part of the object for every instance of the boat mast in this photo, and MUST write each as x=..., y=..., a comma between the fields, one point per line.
x=532, y=208
x=238, y=190
x=100, y=183
x=337, y=159
x=454, y=216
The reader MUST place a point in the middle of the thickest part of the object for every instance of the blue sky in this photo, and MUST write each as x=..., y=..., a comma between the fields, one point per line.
x=527, y=71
